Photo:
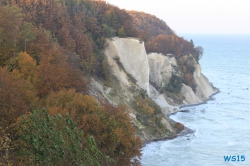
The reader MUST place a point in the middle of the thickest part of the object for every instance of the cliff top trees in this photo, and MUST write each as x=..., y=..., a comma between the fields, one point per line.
x=198, y=52
x=149, y=23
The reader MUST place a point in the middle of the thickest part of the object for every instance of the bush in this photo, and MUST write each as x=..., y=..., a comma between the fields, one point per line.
x=55, y=140
x=174, y=85
x=179, y=127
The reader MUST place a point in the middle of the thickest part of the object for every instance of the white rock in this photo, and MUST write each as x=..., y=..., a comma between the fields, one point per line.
x=190, y=96
x=160, y=68
x=132, y=55
x=204, y=88
x=160, y=100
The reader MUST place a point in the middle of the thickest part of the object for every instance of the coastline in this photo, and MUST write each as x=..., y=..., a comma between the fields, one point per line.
x=186, y=130
x=204, y=102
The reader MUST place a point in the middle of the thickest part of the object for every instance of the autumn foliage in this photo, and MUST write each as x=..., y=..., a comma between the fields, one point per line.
x=16, y=96
x=109, y=125
x=149, y=26
x=48, y=49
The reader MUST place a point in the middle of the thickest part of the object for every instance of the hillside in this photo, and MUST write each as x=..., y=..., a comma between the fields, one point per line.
x=75, y=75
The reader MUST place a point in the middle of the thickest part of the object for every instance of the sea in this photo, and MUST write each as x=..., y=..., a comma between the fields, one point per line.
x=222, y=125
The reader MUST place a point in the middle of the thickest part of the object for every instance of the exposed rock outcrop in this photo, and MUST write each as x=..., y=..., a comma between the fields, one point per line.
x=132, y=55
x=204, y=89
x=189, y=95
x=161, y=68
x=127, y=58
x=161, y=100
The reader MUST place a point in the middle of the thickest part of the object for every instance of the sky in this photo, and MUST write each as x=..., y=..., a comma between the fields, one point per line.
x=196, y=16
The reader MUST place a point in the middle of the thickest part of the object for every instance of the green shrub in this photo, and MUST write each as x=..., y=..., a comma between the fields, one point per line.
x=174, y=85
x=55, y=140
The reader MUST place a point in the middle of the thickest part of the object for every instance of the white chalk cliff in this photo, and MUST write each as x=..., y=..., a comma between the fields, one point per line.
x=132, y=55
x=127, y=57
x=204, y=88
x=161, y=68
x=155, y=68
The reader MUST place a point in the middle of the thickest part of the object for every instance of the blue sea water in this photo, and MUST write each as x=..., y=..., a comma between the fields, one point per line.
x=222, y=125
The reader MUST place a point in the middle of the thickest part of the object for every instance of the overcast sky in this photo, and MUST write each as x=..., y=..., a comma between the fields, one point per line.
x=196, y=16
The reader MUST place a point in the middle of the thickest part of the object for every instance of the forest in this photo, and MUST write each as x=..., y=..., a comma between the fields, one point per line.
x=48, y=51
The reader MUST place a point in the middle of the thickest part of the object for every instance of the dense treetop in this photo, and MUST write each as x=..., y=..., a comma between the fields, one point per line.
x=149, y=24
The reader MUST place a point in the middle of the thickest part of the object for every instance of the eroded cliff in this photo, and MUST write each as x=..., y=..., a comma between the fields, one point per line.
x=161, y=68
x=131, y=54
x=133, y=71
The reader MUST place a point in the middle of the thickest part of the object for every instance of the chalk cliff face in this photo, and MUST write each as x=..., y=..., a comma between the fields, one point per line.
x=133, y=57
x=127, y=57
x=161, y=100
x=161, y=68
x=155, y=68
x=189, y=95
x=204, y=88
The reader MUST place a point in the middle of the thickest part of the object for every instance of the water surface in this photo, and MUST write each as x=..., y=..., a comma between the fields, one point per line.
x=222, y=125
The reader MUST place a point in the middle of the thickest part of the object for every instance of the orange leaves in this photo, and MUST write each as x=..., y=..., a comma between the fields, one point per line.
x=55, y=74
x=125, y=144
x=65, y=39
x=26, y=66
x=166, y=44
x=75, y=103
x=16, y=96
x=109, y=125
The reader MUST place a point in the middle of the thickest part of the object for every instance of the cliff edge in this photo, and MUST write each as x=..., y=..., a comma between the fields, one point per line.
x=136, y=76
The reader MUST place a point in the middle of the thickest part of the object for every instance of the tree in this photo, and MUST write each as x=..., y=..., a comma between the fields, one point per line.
x=106, y=70
x=65, y=39
x=10, y=23
x=26, y=66
x=174, y=85
x=55, y=74
x=109, y=125
x=198, y=52
x=27, y=33
x=6, y=148
x=192, y=42
x=16, y=97
x=108, y=31
x=55, y=140
x=121, y=32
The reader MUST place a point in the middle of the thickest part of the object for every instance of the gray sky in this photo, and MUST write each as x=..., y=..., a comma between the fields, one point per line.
x=196, y=16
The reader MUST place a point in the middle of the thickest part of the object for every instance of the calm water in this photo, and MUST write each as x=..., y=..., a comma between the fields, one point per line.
x=222, y=126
